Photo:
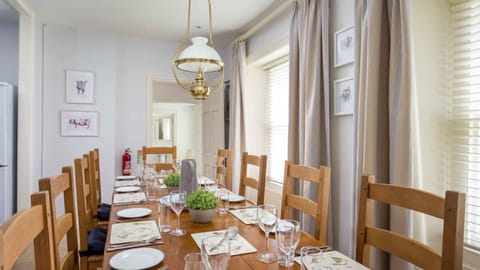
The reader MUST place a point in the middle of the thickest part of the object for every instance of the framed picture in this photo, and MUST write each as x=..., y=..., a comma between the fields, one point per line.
x=79, y=123
x=344, y=46
x=80, y=86
x=344, y=95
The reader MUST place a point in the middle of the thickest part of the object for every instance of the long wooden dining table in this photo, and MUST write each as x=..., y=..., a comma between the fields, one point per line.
x=176, y=247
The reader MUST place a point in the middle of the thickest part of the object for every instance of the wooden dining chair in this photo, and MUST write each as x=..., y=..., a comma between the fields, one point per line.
x=32, y=224
x=224, y=168
x=100, y=212
x=169, y=151
x=91, y=239
x=248, y=181
x=318, y=209
x=63, y=225
x=451, y=210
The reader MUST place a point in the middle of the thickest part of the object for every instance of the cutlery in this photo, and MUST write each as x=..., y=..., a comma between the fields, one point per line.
x=229, y=235
x=132, y=202
x=242, y=207
x=323, y=248
x=150, y=241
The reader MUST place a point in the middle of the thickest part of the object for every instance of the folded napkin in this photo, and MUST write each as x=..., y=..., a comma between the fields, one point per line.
x=134, y=231
x=239, y=245
x=334, y=260
x=129, y=197
x=127, y=183
x=245, y=215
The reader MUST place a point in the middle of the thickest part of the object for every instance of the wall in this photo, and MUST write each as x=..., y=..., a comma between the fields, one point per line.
x=342, y=139
x=137, y=60
x=9, y=51
x=68, y=48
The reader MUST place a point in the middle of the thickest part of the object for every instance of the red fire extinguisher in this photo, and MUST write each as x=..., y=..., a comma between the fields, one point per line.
x=127, y=163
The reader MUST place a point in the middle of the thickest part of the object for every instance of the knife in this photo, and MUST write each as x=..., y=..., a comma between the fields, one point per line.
x=113, y=248
x=242, y=207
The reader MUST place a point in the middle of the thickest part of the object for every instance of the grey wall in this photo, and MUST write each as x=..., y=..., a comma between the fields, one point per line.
x=9, y=51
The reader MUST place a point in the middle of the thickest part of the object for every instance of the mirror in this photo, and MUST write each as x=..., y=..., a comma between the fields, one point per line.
x=163, y=129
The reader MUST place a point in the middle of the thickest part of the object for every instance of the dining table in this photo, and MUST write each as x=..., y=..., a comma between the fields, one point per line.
x=175, y=248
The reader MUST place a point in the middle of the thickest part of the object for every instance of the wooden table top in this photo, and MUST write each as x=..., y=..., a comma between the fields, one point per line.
x=176, y=247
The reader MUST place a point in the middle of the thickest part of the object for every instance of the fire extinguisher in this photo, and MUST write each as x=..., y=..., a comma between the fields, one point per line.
x=127, y=163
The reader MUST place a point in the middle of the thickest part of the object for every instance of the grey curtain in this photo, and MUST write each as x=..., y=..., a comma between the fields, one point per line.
x=237, y=111
x=309, y=124
x=383, y=114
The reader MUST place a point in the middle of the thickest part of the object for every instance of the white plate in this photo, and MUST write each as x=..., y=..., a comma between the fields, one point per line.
x=137, y=258
x=232, y=197
x=126, y=177
x=127, y=189
x=134, y=212
x=202, y=180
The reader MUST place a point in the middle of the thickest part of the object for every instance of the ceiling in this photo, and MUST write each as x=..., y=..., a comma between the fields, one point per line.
x=157, y=19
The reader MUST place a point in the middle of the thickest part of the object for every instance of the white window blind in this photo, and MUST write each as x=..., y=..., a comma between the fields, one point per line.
x=465, y=112
x=277, y=120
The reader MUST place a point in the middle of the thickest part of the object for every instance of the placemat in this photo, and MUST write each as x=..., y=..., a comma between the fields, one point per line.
x=334, y=260
x=239, y=245
x=134, y=231
x=129, y=197
x=124, y=183
x=245, y=215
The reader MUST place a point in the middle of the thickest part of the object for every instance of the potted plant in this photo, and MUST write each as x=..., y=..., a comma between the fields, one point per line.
x=172, y=181
x=202, y=205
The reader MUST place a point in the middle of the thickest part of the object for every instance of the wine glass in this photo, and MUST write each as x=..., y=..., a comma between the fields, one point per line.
x=177, y=165
x=216, y=252
x=288, y=237
x=177, y=203
x=267, y=220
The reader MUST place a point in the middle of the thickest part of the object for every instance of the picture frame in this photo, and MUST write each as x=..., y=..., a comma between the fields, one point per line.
x=344, y=48
x=80, y=86
x=79, y=123
x=344, y=96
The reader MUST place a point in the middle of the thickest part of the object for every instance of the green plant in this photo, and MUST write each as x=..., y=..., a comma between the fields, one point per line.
x=173, y=180
x=202, y=199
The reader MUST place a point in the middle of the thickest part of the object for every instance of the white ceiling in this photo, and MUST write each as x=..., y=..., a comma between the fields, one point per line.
x=158, y=19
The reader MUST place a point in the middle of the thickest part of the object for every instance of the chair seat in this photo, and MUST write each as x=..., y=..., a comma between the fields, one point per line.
x=104, y=212
x=96, y=241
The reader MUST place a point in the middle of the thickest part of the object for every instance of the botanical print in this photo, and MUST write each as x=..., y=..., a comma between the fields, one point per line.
x=344, y=96
x=344, y=46
x=80, y=86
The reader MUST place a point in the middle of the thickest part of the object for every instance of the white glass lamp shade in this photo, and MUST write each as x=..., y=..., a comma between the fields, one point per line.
x=199, y=56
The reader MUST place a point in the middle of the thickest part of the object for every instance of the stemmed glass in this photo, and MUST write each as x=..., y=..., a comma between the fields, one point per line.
x=177, y=203
x=267, y=220
x=288, y=237
x=177, y=165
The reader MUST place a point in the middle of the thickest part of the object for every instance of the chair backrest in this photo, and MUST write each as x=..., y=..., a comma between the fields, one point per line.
x=32, y=224
x=64, y=225
x=96, y=187
x=451, y=210
x=85, y=213
x=246, y=181
x=161, y=151
x=224, y=168
x=317, y=209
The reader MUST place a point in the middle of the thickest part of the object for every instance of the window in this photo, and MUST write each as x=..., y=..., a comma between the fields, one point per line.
x=465, y=112
x=277, y=119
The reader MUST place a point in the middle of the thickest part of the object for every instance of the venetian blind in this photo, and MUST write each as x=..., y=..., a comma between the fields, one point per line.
x=277, y=120
x=465, y=111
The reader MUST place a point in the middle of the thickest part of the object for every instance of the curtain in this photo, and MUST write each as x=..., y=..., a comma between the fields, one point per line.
x=384, y=107
x=309, y=124
x=237, y=111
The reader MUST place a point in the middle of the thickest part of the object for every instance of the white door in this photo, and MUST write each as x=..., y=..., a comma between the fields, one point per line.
x=6, y=155
x=213, y=131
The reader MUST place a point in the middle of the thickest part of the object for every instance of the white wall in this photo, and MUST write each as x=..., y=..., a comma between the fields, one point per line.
x=9, y=51
x=342, y=190
x=68, y=48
